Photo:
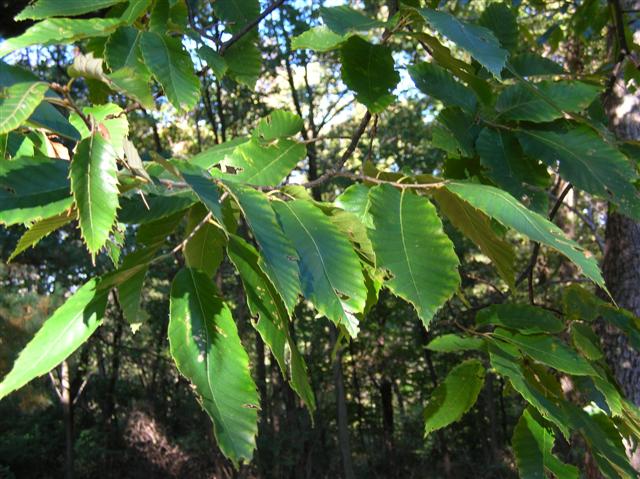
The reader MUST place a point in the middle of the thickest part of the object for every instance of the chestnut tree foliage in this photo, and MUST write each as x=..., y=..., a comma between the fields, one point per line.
x=512, y=123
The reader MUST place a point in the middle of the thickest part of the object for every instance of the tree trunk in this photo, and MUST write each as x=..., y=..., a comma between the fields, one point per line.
x=341, y=404
x=66, y=399
x=621, y=265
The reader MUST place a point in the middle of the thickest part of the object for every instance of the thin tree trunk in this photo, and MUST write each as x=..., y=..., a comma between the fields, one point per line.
x=341, y=404
x=66, y=399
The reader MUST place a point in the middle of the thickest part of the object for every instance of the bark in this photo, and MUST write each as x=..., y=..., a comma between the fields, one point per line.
x=341, y=403
x=66, y=399
x=621, y=264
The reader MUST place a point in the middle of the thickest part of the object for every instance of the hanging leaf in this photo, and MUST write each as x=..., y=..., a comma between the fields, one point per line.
x=205, y=346
x=18, y=102
x=203, y=251
x=474, y=224
x=265, y=303
x=449, y=343
x=588, y=162
x=410, y=244
x=45, y=115
x=329, y=268
x=368, y=70
x=60, y=335
x=455, y=396
x=171, y=66
x=532, y=65
x=278, y=258
x=502, y=21
x=40, y=230
x=216, y=154
x=343, y=20
x=62, y=8
x=319, y=39
x=154, y=207
x=58, y=31
x=524, y=318
x=214, y=60
x=549, y=351
x=437, y=82
x=263, y=165
x=532, y=444
x=542, y=398
x=94, y=185
x=586, y=341
x=32, y=189
x=122, y=50
x=278, y=124
x=478, y=41
x=519, y=102
x=112, y=118
x=510, y=212
x=507, y=165
x=244, y=62
x=355, y=199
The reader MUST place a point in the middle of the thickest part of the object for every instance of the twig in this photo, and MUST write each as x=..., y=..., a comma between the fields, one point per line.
x=528, y=271
x=249, y=26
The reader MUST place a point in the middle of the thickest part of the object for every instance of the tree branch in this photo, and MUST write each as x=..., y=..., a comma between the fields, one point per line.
x=249, y=26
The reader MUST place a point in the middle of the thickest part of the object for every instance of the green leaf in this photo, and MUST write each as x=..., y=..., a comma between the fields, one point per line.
x=134, y=10
x=94, y=184
x=40, y=230
x=204, y=250
x=46, y=115
x=263, y=165
x=58, y=31
x=474, y=224
x=62, y=8
x=330, y=271
x=510, y=212
x=202, y=185
x=524, y=318
x=449, y=343
x=410, y=244
x=129, y=279
x=478, y=41
x=501, y=20
x=236, y=13
x=319, y=39
x=343, y=20
x=578, y=303
x=205, y=346
x=519, y=102
x=133, y=84
x=32, y=189
x=455, y=396
x=112, y=118
x=462, y=128
x=60, y=335
x=532, y=65
x=214, y=155
x=438, y=83
x=508, y=167
x=588, y=162
x=586, y=341
x=135, y=211
x=532, y=444
x=528, y=386
x=214, y=60
x=355, y=199
x=266, y=304
x=171, y=66
x=122, y=49
x=368, y=70
x=278, y=257
x=549, y=351
x=159, y=17
x=278, y=124
x=244, y=61
x=18, y=102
